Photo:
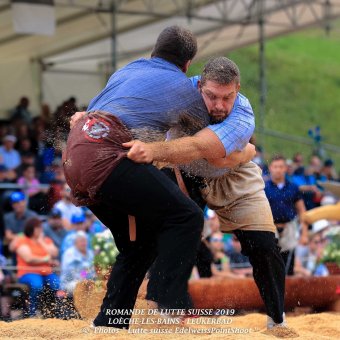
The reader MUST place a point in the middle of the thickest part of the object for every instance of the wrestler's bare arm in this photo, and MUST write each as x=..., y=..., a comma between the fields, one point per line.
x=205, y=144
x=236, y=158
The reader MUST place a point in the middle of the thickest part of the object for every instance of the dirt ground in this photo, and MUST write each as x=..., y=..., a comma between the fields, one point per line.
x=252, y=326
x=151, y=327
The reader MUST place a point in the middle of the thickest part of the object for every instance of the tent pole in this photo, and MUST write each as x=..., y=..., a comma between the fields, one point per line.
x=113, y=36
x=262, y=74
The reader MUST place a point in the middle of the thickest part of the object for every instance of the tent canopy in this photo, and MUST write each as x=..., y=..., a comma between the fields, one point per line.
x=93, y=36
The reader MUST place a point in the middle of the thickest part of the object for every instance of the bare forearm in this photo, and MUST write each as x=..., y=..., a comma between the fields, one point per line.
x=205, y=144
x=179, y=151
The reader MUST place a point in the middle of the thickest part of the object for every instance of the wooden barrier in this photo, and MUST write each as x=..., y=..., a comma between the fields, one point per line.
x=315, y=292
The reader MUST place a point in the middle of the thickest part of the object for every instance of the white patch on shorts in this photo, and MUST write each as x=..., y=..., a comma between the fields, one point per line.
x=96, y=128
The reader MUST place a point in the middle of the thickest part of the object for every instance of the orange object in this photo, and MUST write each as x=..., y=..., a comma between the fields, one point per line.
x=132, y=228
x=243, y=293
x=37, y=250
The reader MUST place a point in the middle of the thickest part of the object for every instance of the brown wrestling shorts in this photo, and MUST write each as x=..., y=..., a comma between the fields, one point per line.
x=94, y=148
x=239, y=200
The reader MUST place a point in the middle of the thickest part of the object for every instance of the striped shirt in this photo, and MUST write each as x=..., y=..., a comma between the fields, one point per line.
x=235, y=131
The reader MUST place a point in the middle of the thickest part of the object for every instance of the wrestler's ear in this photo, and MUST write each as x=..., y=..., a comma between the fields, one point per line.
x=186, y=66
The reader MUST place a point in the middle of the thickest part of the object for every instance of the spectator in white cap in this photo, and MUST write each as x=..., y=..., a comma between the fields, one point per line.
x=76, y=263
x=78, y=223
x=67, y=208
x=308, y=257
x=9, y=157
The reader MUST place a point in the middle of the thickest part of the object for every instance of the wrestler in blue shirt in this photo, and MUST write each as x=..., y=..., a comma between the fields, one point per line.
x=150, y=96
x=150, y=108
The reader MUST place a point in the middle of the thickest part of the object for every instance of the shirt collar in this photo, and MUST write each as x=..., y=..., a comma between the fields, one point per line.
x=280, y=185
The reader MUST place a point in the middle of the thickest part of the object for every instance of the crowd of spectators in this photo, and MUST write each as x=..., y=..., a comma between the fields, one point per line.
x=292, y=187
x=45, y=241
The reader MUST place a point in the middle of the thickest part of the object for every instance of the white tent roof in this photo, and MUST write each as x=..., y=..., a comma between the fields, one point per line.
x=82, y=42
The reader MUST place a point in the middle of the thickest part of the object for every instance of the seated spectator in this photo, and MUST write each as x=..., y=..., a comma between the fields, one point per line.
x=22, y=131
x=329, y=171
x=52, y=172
x=45, y=114
x=298, y=163
x=35, y=257
x=54, y=228
x=204, y=259
x=21, y=113
x=57, y=182
x=308, y=257
x=306, y=183
x=15, y=220
x=4, y=129
x=31, y=186
x=78, y=223
x=211, y=223
x=25, y=146
x=4, y=178
x=9, y=157
x=29, y=182
x=76, y=263
x=220, y=266
x=26, y=159
x=5, y=312
x=67, y=208
x=315, y=168
x=94, y=226
x=290, y=170
x=239, y=263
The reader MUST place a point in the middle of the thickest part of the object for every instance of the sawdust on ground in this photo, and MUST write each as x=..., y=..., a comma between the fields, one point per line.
x=250, y=326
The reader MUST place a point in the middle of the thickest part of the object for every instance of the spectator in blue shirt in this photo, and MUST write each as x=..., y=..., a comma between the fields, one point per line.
x=306, y=182
x=329, y=171
x=16, y=219
x=287, y=205
x=306, y=179
x=9, y=157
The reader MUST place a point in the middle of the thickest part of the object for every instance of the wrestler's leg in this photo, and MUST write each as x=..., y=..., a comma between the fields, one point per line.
x=204, y=256
x=131, y=264
x=268, y=268
x=143, y=191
